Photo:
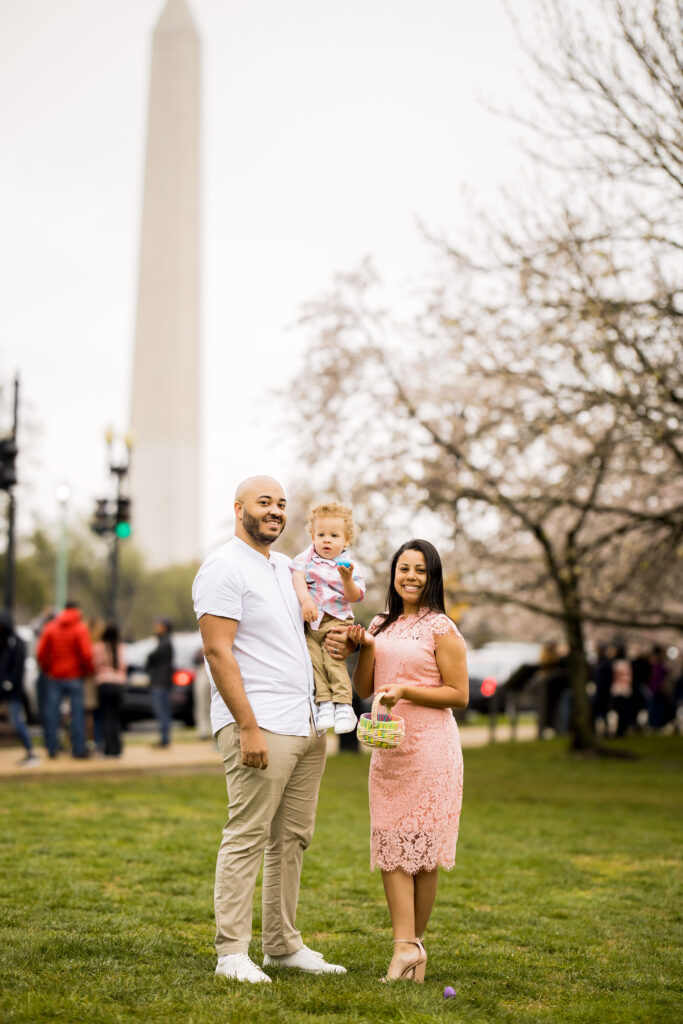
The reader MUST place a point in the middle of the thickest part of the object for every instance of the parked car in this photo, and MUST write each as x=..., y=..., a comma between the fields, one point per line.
x=137, y=699
x=490, y=668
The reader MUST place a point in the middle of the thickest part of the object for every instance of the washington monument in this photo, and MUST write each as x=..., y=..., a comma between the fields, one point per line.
x=165, y=406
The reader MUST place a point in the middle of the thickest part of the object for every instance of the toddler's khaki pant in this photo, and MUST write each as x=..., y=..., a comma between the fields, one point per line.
x=332, y=681
x=271, y=815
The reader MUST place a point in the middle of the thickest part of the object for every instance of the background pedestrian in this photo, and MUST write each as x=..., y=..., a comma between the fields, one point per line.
x=65, y=655
x=640, y=667
x=622, y=689
x=656, y=688
x=110, y=678
x=159, y=666
x=602, y=675
x=201, y=697
x=12, y=662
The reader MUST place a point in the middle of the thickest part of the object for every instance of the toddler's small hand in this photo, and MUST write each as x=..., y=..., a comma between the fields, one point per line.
x=310, y=611
x=346, y=571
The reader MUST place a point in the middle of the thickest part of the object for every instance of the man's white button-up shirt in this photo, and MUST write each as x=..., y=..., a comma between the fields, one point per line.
x=236, y=582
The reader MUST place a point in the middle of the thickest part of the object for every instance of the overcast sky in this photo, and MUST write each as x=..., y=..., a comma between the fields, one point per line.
x=328, y=128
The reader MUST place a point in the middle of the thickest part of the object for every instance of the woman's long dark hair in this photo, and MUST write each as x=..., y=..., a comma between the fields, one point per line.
x=110, y=637
x=432, y=599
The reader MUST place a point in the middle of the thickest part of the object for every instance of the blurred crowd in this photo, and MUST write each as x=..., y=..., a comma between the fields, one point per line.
x=631, y=688
x=81, y=682
x=82, y=678
x=635, y=688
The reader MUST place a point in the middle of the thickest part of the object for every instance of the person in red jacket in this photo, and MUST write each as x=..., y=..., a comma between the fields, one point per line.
x=65, y=655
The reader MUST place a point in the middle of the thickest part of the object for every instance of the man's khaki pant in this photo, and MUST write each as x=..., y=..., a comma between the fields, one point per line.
x=271, y=815
x=332, y=681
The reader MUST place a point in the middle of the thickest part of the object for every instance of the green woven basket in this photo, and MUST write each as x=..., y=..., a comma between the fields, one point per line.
x=379, y=728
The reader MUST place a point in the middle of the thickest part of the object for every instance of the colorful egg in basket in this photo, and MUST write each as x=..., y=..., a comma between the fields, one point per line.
x=380, y=728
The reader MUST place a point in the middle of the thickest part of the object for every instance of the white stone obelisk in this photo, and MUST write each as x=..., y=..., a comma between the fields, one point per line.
x=165, y=400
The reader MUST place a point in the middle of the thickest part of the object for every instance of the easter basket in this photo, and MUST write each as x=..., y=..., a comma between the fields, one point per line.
x=380, y=728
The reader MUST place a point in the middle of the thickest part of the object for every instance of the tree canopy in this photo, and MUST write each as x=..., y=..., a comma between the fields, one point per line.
x=529, y=402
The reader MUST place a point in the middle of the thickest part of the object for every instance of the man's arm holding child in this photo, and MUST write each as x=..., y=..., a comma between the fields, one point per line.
x=337, y=642
x=218, y=637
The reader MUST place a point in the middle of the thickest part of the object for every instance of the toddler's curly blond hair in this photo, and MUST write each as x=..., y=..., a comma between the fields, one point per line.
x=333, y=510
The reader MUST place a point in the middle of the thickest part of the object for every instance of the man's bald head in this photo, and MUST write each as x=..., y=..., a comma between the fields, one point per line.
x=260, y=512
x=255, y=485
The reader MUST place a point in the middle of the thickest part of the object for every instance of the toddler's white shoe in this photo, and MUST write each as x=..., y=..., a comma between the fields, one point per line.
x=239, y=967
x=325, y=717
x=344, y=718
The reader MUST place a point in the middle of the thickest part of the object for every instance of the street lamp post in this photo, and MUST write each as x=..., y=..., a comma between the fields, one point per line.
x=63, y=494
x=119, y=468
x=112, y=517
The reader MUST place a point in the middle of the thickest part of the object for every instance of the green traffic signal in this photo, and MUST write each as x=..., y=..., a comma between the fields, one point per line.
x=122, y=526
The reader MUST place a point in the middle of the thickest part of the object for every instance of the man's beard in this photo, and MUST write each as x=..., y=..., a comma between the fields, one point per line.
x=253, y=527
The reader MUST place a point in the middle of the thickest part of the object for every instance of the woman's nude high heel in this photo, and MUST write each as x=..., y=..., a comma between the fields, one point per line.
x=414, y=971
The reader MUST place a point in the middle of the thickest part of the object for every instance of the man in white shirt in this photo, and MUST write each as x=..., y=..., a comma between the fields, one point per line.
x=263, y=717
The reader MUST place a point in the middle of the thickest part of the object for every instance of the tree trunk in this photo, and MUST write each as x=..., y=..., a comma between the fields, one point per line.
x=581, y=730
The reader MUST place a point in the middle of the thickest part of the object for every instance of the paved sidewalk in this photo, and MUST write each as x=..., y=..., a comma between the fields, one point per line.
x=140, y=757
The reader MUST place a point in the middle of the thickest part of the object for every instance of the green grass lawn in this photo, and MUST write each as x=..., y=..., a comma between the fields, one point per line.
x=564, y=905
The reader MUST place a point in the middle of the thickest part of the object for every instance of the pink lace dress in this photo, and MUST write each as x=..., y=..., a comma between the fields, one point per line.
x=415, y=789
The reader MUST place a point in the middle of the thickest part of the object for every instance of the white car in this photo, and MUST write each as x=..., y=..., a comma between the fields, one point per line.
x=489, y=668
x=137, y=697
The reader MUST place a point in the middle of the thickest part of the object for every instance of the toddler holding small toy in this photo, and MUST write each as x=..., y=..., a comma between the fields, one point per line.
x=327, y=585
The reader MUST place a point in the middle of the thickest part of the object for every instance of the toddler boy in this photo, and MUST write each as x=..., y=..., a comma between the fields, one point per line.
x=327, y=586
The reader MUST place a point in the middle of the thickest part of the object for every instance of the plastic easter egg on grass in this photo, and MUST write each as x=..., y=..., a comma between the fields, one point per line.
x=449, y=992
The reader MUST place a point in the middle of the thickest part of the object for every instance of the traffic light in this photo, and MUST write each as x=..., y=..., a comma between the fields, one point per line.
x=101, y=522
x=8, y=469
x=123, y=527
x=112, y=517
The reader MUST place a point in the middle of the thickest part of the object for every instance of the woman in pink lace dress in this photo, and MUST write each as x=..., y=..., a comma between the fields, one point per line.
x=415, y=656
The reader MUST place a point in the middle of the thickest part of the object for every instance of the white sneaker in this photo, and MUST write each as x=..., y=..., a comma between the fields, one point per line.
x=239, y=967
x=325, y=717
x=30, y=761
x=304, y=959
x=344, y=718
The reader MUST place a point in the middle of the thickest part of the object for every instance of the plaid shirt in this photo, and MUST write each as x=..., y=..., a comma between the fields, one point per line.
x=325, y=585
